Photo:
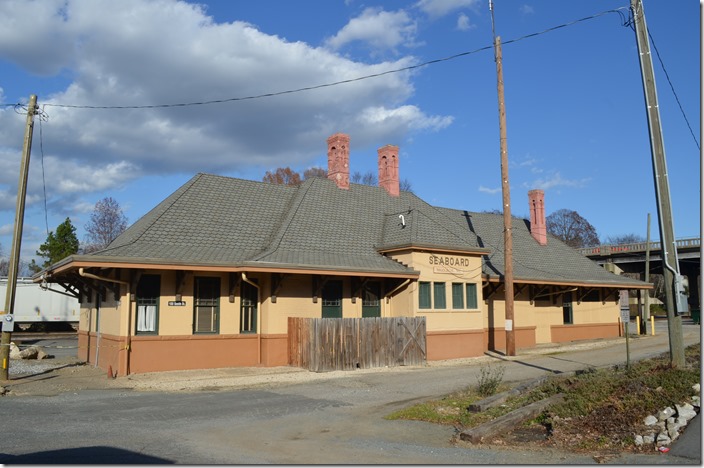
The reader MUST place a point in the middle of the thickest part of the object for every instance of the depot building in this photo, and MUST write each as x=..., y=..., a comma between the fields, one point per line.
x=209, y=277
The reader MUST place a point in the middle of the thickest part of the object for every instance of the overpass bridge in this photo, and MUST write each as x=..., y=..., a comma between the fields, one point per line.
x=631, y=259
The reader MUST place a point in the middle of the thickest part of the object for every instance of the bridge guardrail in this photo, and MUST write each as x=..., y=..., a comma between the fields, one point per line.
x=606, y=250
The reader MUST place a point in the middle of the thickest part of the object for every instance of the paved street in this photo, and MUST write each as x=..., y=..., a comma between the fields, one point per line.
x=319, y=422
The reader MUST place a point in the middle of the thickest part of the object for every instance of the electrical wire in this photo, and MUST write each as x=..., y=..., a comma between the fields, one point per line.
x=672, y=87
x=336, y=83
x=42, y=117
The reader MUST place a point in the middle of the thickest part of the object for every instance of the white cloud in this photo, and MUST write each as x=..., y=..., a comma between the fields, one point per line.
x=438, y=8
x=556, y=180
x=136, y=52
x=463, y=23
x=490, y=191
x=527, y=9
x=383, y=30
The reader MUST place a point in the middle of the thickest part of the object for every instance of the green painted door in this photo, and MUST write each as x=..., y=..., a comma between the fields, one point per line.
x=371, y=300
x=332, y=299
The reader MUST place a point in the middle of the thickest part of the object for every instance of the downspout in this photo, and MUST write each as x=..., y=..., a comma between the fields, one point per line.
x=129, y=312
x=259, y=335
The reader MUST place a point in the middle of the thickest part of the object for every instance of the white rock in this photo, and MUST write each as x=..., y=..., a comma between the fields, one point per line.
x=649, y=439
x=14, y=351
x=686, y=411
x=696, y=387
x=696, y=400
x=666, y=413
x=639, y=440
x=663, y=439
x=650, y=420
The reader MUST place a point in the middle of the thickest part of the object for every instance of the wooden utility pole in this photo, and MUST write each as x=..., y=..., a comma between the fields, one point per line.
x=673, y=280
x=506, y=196
x=16, y=242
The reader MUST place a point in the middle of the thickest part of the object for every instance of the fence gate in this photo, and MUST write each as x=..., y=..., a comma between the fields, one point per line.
x=327, y=344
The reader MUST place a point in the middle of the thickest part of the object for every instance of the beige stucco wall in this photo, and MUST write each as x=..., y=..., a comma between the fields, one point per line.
x=448, y=269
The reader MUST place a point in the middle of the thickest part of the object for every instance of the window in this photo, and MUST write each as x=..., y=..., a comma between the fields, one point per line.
x=332, y=299
x=439, y=295
x=148, y=292
x=567, y=308
x=206, y=305
x=248, y=308
x=457, y=296
x=423, y=295
x=471, y=296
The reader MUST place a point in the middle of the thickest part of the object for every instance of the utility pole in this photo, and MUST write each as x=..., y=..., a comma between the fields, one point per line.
x=506, y=196
x=646, y=315
x=16, y=242
x=674, y=286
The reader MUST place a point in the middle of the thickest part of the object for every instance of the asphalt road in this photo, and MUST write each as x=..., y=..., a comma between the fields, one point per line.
x=323, y=422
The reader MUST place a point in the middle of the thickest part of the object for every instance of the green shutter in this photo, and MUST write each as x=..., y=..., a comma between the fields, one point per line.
x=457, y=296
x=471, y=296
x=424, y=295
x=439, y=295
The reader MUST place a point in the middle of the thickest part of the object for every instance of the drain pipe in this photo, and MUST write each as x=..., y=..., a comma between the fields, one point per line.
x=128, y=346
x=259, y=335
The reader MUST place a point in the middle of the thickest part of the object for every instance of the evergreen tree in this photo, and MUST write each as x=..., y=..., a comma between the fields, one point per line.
x=57, y=246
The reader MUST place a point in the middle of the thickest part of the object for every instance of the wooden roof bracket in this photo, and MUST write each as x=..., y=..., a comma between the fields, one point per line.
x=135, y=276
x=234, y=282
x=277, y=280
x=492, y=288
x=318, y=284
x=585, y=292
x=519, y=289
x=180, y=284
x=357, y=286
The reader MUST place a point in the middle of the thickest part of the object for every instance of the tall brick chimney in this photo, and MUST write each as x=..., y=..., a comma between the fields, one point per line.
x=339, y=159
x=536, y=205
x=388, y=169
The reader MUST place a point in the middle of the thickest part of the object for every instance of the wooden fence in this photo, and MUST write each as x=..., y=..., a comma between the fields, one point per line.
x=327, y=344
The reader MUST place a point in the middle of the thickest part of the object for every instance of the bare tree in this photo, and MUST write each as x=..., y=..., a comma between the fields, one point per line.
x=405, y=185
x=315, y=172
x=624, y=239
x=106, y=223
x=572, y=229
x=282, y=176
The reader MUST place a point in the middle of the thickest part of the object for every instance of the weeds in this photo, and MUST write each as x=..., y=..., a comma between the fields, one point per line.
x=490, y=379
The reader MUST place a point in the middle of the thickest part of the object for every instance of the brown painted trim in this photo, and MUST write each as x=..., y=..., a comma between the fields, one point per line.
x=230, y=269
x=425, y=248
x=494, y=279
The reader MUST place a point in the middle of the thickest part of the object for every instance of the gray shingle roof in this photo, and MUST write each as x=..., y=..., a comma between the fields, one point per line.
x=222, y=221
x=554, y=262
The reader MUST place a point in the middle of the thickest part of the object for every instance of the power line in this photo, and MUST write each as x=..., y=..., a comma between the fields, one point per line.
x=672, y=87
x=336, y=83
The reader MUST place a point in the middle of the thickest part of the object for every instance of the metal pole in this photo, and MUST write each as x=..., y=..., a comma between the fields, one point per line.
x=647, y=276
x=662, y=188
x=17, y=237
x=506, y=197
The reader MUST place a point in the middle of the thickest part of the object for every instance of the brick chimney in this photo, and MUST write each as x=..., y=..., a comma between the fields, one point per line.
x=339, y=160
x=536, y=205
x=388, y=169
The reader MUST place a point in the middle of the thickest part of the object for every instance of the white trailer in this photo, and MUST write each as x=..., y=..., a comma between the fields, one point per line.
x=36, y=305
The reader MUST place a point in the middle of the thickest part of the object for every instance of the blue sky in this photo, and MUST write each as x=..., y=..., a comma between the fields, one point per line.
x=576, y=118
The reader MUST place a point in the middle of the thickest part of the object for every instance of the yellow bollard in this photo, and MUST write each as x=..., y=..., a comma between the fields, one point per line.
x=652, y=325
x=638, y=326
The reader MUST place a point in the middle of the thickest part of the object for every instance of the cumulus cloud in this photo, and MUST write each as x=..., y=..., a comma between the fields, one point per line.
x=383, y=30
x=146, y=53
x=464, y=23
x=438, y=8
